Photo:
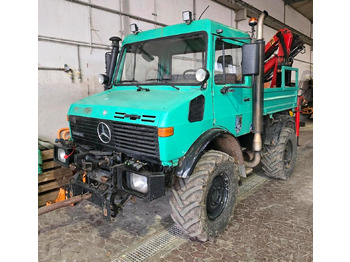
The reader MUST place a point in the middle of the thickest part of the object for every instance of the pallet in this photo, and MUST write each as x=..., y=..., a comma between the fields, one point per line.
x=53, y=177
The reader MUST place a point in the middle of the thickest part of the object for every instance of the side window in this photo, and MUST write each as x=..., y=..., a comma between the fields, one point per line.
x=228, y=63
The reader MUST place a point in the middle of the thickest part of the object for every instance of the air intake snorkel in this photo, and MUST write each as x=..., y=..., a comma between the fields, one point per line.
x=110, y=63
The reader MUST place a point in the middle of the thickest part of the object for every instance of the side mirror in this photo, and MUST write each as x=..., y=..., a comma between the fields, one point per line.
x=202, y=75
x=250, y=59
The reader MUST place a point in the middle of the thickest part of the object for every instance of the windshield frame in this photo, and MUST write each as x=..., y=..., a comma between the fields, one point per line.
x=118, y=73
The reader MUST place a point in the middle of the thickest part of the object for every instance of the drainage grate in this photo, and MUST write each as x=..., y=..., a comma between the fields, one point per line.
x=152, y=246
x=249, y=183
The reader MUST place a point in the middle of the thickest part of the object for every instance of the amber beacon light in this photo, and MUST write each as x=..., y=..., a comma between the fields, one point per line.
x=253, y=21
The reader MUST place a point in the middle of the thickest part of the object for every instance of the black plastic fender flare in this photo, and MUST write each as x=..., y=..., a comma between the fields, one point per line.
x=188, y=162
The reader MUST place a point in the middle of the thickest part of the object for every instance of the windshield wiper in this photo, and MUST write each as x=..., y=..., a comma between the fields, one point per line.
x=163, y=81
x=140, y=88
x=170, y=84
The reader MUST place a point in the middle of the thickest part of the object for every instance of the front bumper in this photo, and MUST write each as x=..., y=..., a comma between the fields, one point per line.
x=107, y=194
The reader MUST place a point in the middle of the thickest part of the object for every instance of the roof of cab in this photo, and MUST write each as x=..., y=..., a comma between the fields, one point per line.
x=205, y=25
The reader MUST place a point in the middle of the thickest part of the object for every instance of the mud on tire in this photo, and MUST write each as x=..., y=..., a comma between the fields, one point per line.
x=278, y=161
x=203, y=203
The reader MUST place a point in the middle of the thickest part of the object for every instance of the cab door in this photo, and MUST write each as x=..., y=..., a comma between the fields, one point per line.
x=232, y=93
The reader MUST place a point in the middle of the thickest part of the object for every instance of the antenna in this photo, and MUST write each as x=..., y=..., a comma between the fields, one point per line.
x=203, y=12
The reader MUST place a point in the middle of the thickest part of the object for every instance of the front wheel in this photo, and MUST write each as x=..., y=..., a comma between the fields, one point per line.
x=203, y=203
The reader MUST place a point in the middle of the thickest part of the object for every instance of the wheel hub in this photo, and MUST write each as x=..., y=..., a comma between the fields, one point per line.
x=217, y=196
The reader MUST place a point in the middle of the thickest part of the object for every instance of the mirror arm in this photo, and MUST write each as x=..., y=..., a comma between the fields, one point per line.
x=204, y=85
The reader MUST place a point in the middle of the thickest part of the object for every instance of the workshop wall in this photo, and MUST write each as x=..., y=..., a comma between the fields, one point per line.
x=74, y=34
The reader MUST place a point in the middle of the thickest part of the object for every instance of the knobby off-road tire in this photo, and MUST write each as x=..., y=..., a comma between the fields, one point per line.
x=278, y=161
x=203, y=203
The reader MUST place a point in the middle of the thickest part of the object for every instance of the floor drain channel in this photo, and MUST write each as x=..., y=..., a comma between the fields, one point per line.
x=249, y=183
x=152, y=246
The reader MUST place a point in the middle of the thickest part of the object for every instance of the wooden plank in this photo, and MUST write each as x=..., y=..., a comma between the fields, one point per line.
x=47, y=154
x=53, y=185
x=51, y=164
x=51, y=180
x=55, y=174
x=42, y=199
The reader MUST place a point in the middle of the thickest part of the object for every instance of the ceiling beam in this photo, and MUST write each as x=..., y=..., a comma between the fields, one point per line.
x=269, y=21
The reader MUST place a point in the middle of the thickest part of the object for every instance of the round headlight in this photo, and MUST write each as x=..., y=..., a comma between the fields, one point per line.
x=102, y=79
x=202, y=75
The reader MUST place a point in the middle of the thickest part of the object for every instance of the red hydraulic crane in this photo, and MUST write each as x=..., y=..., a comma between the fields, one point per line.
x=288, y=46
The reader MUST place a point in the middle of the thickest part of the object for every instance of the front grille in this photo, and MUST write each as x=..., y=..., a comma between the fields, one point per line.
x=132, y=139
x=136, y=138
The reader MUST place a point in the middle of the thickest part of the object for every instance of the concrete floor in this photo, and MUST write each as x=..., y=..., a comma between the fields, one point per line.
x=272, y=222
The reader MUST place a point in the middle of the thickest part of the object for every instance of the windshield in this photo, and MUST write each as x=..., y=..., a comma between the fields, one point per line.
x=171, y=60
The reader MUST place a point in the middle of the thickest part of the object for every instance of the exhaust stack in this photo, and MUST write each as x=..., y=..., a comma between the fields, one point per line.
x=258, y=95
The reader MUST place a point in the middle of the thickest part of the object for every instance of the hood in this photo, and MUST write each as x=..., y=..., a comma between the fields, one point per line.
x=128, y=105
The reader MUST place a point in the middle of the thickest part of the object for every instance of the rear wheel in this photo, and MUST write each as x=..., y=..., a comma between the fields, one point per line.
x=203, y=203
x=279, y=160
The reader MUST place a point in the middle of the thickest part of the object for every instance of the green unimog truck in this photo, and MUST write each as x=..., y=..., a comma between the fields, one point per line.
x=185, y=109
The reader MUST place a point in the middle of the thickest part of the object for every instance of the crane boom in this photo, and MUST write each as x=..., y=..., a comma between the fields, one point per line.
x=288, y=46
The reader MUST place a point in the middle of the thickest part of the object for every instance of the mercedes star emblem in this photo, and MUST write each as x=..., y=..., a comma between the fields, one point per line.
x=104, y=133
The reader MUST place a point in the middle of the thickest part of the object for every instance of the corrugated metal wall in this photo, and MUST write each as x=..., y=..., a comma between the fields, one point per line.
x=76, y=34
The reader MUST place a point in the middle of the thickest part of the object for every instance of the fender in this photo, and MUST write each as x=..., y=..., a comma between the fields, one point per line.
x=218, y=139
x=273, y=130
